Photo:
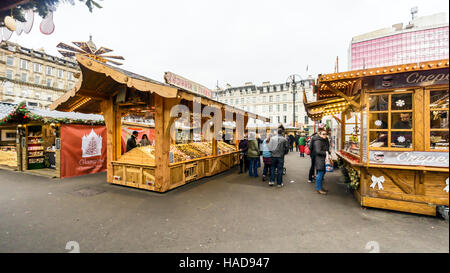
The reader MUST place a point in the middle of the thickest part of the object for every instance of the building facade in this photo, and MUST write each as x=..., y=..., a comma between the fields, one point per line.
x=33, y=76
x=423, y=39
x=274, y=101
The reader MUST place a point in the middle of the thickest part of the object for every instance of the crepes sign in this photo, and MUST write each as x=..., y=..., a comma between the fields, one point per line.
x=429, y=159
x=174, y=79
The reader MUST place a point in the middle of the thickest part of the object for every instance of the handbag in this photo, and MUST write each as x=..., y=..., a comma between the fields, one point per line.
x=328, y=164
x=307, y=151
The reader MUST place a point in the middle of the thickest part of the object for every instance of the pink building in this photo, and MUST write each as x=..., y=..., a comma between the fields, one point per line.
x=423, y=39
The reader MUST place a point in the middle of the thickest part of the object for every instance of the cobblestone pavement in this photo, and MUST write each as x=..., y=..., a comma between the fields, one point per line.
x=225, y=213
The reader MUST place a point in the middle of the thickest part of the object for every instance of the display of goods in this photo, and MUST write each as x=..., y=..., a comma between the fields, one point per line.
x=35, y=160
x=190, y=151
x=204, y=147
x=35, y=148
x=178, y=155
x=225, y=148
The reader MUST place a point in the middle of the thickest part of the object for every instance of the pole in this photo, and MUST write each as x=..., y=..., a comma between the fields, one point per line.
x=293, y=98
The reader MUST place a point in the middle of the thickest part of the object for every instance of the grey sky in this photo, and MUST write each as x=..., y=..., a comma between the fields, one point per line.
x=229, y=41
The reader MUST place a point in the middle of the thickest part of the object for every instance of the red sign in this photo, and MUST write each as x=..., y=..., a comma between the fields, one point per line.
x=174, y=79
x=83, y=149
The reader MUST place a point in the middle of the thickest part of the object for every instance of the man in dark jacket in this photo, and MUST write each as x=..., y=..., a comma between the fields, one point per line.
x=243, y=160
x=279, y=147
x=131, y=142
x=296, y=138
x=321, y=148
x=311, y=154
x=291, y=143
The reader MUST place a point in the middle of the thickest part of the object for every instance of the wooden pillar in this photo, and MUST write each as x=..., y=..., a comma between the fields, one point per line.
x=342, y=136
x=108, y=115
x=163, y=122
x=420, y=103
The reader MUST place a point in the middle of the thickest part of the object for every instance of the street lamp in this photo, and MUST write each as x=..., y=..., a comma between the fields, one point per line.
x=291, y=82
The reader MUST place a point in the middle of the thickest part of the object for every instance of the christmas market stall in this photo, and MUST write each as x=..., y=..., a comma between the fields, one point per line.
x=53, y=143
x=393, y=138
x=8, y=152
x=116, y=93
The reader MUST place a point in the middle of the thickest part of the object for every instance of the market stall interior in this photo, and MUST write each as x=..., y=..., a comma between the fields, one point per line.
x=393, y=138
x=115, y=93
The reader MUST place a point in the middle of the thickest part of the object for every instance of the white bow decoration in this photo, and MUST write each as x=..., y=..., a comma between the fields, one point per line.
x=377, y=181
x=446, y=187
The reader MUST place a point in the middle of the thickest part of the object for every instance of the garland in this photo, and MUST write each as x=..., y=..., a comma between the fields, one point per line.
x=350, y=174
x=22, y=115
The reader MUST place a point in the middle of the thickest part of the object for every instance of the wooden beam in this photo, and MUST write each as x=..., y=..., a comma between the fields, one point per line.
x=341, y=94
x=108, y=115
x=92, y=94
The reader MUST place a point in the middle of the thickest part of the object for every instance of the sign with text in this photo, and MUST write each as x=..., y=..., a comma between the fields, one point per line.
x=429, y=159
x=174, y=79
x=83, y=149
x=409, y=79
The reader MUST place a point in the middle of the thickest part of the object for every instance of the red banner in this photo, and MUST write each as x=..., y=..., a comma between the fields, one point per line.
x=83, y=149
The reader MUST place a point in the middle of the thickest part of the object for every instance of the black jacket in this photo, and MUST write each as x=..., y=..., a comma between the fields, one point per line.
x=131, y=143
x=320, y=147
x=243, y=146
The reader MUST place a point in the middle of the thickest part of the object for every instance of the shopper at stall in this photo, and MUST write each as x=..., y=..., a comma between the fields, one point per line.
x=253, y=155
x=402, y=139
x=301, y=143
x=131, y=142
x=144, y=140
x=310, y=144
x=321, y=148
x=279, y=146
x=243, y=160
x=266, y=157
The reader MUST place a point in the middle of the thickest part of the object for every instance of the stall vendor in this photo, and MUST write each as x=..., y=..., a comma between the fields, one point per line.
x=131, y=142
x=404, y=122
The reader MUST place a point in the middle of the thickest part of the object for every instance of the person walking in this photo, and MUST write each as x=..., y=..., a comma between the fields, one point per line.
x=279, y=147
x=144, y=140
x=243, y=160
x=321, y=149
x=131, y=142
x=296, y=138
x=253, y=155
x=291, y=143
x=266, y=157
x=301, y=143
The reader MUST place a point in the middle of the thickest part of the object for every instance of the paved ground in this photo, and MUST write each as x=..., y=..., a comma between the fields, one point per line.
x=225, y=213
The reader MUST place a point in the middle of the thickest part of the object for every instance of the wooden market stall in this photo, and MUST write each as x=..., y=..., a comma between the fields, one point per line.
x=115, y=93
x=393, y=139
x=8, y=136
x=41, y=136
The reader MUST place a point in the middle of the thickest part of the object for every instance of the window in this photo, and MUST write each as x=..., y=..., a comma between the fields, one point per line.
x=48, y=70
x=278, y=108
x=37, y=68
x=284, y=119
x=278, y=119
x=49, y=82
x=24, y=77
x=391, y=121
x=9, y=74
x=254, y=99
x=264, y=99
x=49, y=97
x=306, y=120
x=24, y=93
x=438, y=116
x=10, y=60
x=242, y=100
x=284, y=107
x=270, y=98
x=278, y=87
x=270, y=107
x=23, y=64
x=277, y=98
x=237, y=100
x=352, y=134
x=284, y=97
x=37, y=80
x=60, y=73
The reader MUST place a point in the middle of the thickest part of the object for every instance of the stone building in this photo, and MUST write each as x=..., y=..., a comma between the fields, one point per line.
x=33, y=76
x=270, y=100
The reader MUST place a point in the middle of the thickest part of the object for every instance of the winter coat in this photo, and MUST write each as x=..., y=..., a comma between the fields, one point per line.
x=243, y=146
x=131, y=143
x=253, y=149
x=320, y=148
x=302, y=141
x=279, y=146
x=265, y=149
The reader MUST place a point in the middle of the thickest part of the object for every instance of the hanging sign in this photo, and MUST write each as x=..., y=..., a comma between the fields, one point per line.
x=415, y=78
x=430, y=159
x=174, y=79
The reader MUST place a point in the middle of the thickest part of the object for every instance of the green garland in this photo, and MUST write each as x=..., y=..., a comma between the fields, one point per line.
x=42, y=7
x=21, y=115
x=350, y=174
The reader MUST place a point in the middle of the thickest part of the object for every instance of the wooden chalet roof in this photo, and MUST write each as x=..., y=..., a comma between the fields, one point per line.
x=336, y=92
x=99, y=81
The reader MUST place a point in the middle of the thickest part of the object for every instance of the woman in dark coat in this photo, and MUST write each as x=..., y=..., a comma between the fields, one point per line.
x=321, y=148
